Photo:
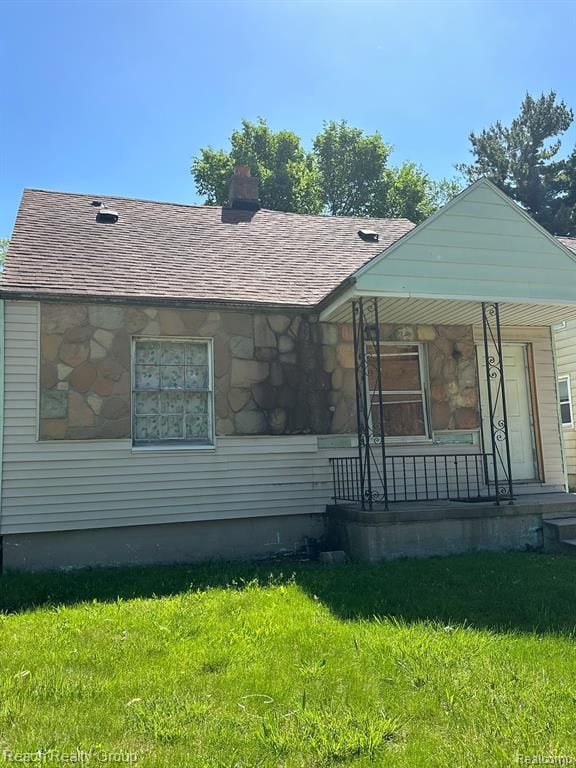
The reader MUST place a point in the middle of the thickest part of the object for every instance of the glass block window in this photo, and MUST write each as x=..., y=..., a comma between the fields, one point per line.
x=565, y=401
x=172, y=392
x=402, y=382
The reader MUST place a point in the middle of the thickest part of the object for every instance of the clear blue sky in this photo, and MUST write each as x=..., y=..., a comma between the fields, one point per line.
x=114, y=97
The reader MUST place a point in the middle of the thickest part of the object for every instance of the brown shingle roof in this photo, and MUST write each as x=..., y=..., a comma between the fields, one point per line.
x=184, y=252
x=569, y=242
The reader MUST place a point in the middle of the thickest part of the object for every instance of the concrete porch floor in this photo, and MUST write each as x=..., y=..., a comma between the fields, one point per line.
x=424, y=529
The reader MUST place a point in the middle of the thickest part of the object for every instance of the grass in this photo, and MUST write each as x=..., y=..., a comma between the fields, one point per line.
x=457, y=661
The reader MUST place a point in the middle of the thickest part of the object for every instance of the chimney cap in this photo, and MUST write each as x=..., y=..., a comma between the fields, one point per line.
x=242, y=170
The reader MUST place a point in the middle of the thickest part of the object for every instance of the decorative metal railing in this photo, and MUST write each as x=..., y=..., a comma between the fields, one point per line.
x=450, y=477
x=487, y=475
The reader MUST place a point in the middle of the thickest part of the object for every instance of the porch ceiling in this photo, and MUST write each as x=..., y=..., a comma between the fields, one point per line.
x=397, y=310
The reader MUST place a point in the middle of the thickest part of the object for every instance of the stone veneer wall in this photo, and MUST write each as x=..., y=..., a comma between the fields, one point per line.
x=273, y=373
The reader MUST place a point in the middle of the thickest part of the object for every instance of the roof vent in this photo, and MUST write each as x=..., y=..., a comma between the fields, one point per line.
x=368, y=235
x=243, y=191
x=107, y=215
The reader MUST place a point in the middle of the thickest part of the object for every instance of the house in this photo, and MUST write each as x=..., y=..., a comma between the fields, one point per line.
x=565, y=337
x=186, y=382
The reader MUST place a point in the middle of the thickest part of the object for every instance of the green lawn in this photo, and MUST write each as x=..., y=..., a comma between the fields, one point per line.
x=457, y=661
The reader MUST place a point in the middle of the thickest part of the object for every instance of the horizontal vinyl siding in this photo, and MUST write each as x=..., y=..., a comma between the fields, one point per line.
x=546, y=393
x=65, y=485
x=566, y=360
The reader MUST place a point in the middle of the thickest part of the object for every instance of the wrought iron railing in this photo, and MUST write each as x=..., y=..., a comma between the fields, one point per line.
x=449, y=477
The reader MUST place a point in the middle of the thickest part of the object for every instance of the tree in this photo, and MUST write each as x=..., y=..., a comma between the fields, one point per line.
x=3, y=249
x=355, y=178
x=346, y=173
x=288, y=179
x=351, y=168
x=566, y=217
x=521, y=159
x=408, y=192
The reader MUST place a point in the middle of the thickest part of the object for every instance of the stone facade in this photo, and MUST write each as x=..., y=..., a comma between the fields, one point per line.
x=273, y=373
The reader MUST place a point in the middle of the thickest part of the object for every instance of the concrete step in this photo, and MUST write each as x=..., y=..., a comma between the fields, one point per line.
x=560, y=534
x=567, y=546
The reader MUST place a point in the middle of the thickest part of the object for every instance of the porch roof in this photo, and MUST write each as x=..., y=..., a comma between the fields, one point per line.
x=480, y=247
x=423, y=311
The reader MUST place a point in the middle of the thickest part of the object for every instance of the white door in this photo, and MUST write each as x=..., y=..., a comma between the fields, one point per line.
x=519, y=407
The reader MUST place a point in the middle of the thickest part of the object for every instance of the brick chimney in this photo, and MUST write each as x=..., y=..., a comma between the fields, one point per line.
x=243, y=190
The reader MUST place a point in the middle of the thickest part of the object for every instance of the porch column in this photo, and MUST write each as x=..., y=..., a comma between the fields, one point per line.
x=376, y=344
x=497, y=408
x=369, y=408
x=362, y=422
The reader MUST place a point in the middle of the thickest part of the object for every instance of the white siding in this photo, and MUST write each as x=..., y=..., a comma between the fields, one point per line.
x=64, y=485
x=566, y=360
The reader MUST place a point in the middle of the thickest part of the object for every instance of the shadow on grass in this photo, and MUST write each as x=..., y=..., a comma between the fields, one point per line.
x=518, y=591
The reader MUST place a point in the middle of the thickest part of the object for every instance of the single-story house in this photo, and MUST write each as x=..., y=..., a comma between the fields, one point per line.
x=566, y=357
x=184, y=382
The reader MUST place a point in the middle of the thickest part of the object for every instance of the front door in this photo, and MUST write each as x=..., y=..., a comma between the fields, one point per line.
x=519, y=407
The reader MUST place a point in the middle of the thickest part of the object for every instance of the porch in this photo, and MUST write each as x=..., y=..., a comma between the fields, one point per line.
x=458, y=440
x=510, y=441
x=424, y=529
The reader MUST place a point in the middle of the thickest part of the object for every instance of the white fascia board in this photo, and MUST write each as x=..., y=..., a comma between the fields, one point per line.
x=337, y=303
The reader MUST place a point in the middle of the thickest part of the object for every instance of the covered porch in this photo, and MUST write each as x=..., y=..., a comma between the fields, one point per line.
x=497, y=451
x=456, y=410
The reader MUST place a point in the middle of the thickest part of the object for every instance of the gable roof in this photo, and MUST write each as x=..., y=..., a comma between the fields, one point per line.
x=480, y=246
x=166, y=251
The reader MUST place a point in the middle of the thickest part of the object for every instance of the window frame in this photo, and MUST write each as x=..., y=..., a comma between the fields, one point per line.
x=423, y=391
x=175, y=445
x=566, y=424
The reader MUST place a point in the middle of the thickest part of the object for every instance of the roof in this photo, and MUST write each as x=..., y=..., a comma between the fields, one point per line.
x=166, y=251
x=569, y=242
x=480, y=247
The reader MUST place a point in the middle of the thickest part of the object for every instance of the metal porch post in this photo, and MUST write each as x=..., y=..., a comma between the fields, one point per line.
x=380, y=401
x=362, y=405
x=499, y=432
x=358, y=388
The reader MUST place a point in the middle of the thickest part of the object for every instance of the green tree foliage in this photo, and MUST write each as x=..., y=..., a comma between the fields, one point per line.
x=522, y=159
x=408, y=192
x=566, y=217
x=351, y=168
x=288, y=180
x=3, y=249
x=346, y=173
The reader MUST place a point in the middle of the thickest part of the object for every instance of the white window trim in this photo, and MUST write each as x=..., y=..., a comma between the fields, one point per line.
x=174, y=446
x=570, y=424
x=423, y=391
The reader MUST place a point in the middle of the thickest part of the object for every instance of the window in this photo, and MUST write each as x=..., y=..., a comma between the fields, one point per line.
x=172, y=392
x=403, y=395
x=565, y=401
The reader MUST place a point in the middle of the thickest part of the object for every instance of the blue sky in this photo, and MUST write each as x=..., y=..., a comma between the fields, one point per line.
x=114, y=97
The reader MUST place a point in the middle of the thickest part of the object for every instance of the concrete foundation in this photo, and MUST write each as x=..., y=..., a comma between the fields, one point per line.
x=250, y=538
x=443, y=528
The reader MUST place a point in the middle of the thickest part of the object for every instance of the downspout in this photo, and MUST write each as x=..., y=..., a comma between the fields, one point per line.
x=2, y=356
